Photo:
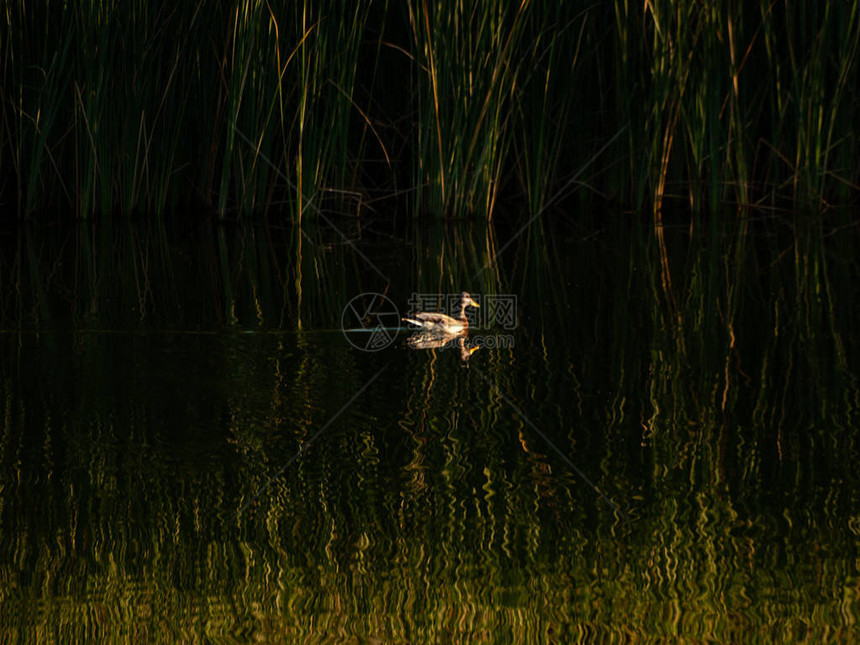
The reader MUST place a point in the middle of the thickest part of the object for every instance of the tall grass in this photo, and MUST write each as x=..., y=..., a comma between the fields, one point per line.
x=742, y=105
x=289, y=97
x=249, y=106
x=137, y=107
x=467, y=55
x=546, y=105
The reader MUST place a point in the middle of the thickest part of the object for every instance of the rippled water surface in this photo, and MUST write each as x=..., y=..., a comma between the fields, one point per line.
x=661, y=443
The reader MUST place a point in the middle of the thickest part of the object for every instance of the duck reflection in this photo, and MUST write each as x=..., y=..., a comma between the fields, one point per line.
x=436, y=339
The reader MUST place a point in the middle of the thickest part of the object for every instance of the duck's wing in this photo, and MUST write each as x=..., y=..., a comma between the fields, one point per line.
x=430, y=319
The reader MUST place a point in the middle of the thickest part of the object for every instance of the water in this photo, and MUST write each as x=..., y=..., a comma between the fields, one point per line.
x=665, y=446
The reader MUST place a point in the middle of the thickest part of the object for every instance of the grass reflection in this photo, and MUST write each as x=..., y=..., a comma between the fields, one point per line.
x=704, y=382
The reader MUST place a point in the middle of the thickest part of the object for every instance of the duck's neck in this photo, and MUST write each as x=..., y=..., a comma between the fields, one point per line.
x=463, y=310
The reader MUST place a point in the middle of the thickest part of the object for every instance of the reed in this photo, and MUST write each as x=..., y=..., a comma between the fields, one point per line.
x=285, y=108
x=468, y=70
x=289, y=98
x=545, y=104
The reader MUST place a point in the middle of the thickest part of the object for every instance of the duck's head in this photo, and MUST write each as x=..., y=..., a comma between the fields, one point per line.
x=466, y=299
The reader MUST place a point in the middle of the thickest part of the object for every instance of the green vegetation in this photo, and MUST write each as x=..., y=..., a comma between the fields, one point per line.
x=159, y=370
x=290, y=107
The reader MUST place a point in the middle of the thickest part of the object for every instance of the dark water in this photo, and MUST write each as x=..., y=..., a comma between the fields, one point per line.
x=664, y=446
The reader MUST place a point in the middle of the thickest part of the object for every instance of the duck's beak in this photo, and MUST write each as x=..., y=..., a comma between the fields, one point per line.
x=473, y=303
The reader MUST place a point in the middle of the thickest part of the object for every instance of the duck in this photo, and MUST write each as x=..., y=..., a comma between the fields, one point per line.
x=436, y=322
